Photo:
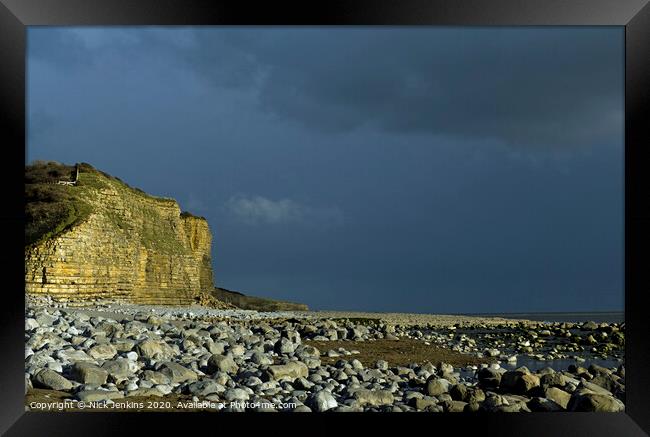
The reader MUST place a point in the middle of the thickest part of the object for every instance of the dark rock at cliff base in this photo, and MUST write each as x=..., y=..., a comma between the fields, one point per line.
x=256, y=303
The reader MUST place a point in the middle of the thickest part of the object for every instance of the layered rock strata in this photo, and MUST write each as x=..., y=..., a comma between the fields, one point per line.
x=132, y=248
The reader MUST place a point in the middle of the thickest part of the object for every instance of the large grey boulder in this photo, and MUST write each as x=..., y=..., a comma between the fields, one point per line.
x=72, y=355
x=586, y=400
x=552, y=380
x=489, y=378
x=323, y=401
x=205, y=387
x=519, y=382
x=118, y=369
x=236, y=394
x=558, y=396
x=102, y=352
x=50, y=379
x=284, y=346
x=289, y=371
x=152, y=349
x=373, y=397
x=88, y=373
x=156, y=377
x=222, y=363
x=178, y=373
x=437, y=386
x=307, y=351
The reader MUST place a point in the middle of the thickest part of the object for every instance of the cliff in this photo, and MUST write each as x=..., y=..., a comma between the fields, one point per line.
x=90, y=237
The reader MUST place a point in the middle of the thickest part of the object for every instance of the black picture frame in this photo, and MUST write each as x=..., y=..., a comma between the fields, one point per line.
x=634, y=15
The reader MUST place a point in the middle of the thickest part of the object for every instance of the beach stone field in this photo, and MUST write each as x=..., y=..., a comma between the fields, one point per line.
x=155, y=358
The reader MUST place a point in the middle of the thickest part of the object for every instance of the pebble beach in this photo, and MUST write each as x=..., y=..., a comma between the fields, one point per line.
x=156, y=358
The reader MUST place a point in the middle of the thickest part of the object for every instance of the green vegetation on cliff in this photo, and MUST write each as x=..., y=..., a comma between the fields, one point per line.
x=186, y=214
x=89, y=176
x=52, y=208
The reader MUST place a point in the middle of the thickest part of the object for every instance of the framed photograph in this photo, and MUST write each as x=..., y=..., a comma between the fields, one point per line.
x=347, y=210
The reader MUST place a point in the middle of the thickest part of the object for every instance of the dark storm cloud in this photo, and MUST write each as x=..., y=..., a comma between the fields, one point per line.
x=525, y=87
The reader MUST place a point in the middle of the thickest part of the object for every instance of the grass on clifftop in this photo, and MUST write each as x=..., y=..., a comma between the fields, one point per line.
x=186, y=214
x=97, y=179
x=50, y=208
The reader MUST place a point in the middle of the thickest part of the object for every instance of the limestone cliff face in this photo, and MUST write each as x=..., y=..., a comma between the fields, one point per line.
x=132, y=247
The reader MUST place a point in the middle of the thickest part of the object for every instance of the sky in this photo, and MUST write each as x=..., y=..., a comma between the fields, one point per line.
x=422, y=169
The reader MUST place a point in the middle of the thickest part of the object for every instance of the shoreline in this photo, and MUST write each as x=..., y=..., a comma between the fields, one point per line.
x=442, y=319
x=320, y=360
